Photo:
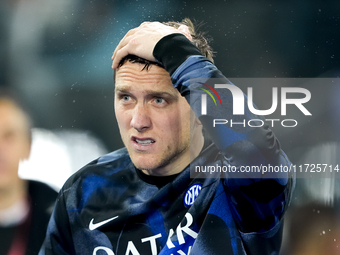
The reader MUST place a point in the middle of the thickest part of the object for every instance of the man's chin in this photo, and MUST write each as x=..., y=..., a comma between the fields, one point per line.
x=144, y=164
x=151, y=167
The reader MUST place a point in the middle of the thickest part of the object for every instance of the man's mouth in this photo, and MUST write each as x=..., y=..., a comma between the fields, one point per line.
x=143, y=141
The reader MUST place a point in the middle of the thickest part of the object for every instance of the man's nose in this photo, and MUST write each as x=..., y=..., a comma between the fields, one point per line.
x=141, y=120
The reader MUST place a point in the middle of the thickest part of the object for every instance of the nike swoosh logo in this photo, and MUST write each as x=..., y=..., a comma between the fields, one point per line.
x=93, y=226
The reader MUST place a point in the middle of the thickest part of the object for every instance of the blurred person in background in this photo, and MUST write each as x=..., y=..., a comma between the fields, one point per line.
x=25, y=206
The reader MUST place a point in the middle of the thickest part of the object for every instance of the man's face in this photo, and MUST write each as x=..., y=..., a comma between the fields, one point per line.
x=154, y=119
x=14, y=142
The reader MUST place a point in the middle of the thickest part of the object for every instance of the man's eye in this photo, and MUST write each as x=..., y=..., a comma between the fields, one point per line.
x=125, y=98
x=159, y=100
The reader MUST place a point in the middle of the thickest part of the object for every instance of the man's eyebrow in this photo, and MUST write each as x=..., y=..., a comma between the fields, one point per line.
x=154, y=93
x=122, y=89
x=161, y=94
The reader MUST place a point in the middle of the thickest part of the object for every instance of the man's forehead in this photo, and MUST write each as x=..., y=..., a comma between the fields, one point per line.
x=130, y=76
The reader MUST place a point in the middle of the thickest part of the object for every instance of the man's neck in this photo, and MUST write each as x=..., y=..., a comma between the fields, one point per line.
x=169, y=169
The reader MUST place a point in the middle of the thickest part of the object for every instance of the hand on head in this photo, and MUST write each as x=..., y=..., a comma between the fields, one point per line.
x=142, y=40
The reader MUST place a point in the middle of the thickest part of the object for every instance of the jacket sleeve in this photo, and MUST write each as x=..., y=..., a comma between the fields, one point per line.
x=259, y=199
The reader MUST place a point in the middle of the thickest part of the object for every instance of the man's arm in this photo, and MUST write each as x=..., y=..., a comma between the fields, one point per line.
x=259, y=200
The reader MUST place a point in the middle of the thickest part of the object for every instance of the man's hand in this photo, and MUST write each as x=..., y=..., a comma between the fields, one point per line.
x=141, y=40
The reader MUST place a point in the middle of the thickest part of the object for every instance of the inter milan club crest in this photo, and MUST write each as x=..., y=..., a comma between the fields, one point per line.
x=192, y=194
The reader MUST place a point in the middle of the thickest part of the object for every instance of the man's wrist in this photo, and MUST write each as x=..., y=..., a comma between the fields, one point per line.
x=172, y=50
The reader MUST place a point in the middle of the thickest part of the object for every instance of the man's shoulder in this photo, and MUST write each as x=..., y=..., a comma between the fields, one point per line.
x=104, y=166
x=117, y=155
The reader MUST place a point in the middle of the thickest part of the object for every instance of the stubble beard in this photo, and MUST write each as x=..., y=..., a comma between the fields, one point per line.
x=165, y=159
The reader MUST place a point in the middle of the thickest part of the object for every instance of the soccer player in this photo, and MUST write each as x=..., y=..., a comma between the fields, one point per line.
x=141, y=199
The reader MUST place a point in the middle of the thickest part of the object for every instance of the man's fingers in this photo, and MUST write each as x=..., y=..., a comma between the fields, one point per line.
x=124, y=41
x=128, y=39
x=119, y=54
x=141, y=41
x=131, y=45
x=144, y=23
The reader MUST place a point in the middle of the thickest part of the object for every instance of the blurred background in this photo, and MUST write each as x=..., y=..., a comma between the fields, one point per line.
x=56, y=55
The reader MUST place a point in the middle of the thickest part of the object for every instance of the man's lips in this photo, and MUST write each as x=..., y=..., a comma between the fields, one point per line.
x=142, y=140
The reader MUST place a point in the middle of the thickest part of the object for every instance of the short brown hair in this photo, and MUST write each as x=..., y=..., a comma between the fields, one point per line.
x=198, y=38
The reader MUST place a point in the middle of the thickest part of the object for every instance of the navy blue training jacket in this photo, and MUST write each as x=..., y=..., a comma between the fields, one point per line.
x=107, y=208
